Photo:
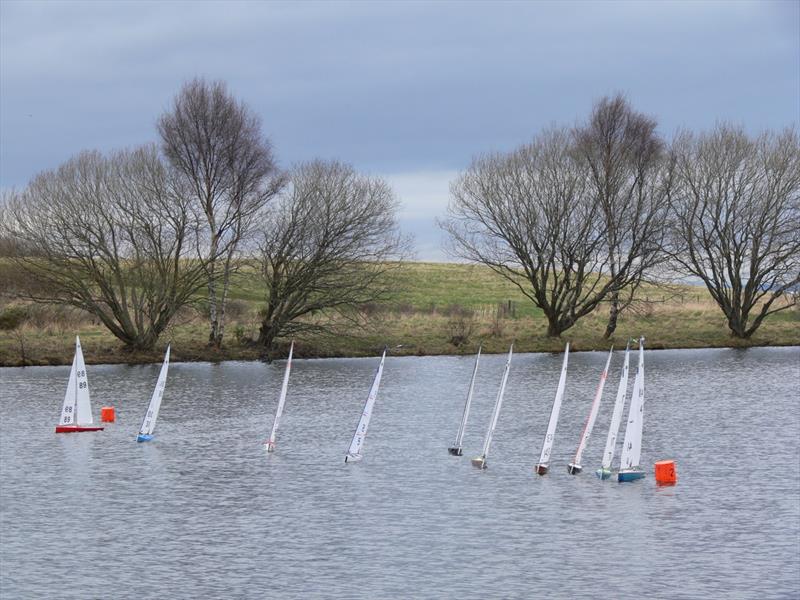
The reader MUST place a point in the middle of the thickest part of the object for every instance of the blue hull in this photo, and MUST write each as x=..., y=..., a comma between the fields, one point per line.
x=143, y=438
x=623, y=476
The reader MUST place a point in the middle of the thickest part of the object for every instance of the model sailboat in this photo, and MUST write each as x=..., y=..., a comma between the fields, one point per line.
x=76, y=413
x=354, y=452
x=629, y=469
x=149, y=421
x=480, y=461
x=270, y=443
x=604, y=472
x=455, y=450
x=543, y=466
x=575, y=466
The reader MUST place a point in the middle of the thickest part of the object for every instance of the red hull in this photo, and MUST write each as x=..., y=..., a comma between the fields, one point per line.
x=76, y=428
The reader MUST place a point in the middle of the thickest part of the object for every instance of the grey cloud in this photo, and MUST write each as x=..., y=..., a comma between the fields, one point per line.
x=390, y=87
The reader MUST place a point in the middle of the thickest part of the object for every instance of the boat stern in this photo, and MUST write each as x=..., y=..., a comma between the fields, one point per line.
x=542, y=469
x=479, y=462
x=143, y=437
x=455, y=451
x=603, y=473
x=574, y=469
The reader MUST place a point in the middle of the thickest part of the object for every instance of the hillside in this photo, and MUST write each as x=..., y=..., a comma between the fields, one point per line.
x=433, y=305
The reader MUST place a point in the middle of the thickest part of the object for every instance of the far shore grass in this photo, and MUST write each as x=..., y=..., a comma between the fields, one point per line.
x=435, y=302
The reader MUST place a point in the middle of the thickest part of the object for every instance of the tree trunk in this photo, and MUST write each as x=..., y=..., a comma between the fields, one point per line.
x=218, y=329
x=737, y=327
x=212, y=309
x=266, y=335
x=554, y=328
x=613, y=314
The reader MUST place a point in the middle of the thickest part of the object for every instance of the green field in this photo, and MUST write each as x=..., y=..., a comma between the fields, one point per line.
x=432, y=303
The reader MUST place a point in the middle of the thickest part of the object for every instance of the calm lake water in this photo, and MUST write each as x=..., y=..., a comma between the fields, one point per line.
x=204, y=512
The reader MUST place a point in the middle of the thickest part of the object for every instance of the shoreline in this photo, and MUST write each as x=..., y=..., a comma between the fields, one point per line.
x=225, y=355
x=435, y=310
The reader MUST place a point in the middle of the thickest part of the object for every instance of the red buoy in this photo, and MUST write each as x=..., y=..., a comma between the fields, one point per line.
x=665, y=472
x=107, y=414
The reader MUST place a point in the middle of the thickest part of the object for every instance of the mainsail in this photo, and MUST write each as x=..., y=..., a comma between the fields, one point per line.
x=456, y=449
x=547, y=447
x=77, y=407
x=481, y=460
x=632, y=446
x=616, y=415
x=281, y=401
x=354, y=452
x=76, y=412
x=587, y=428
x=149, y=421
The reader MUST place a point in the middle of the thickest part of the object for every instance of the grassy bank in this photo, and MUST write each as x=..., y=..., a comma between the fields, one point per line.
x=435, y=305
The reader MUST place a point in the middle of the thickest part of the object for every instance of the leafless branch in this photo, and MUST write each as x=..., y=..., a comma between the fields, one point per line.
x=110, y=235
x=737, y=210
x=215, y=143
x=329, y=244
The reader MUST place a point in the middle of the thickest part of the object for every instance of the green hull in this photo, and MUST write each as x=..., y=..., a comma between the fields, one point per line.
x=603, y=473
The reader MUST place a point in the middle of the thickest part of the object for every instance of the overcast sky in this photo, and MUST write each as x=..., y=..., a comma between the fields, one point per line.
x=409, y=91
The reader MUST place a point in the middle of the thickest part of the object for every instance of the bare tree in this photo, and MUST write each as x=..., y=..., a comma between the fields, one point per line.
x=737, y=211
x=328, y=244
x=111, y=236
x=531, y=216
x=216, y=143
x=630, y=183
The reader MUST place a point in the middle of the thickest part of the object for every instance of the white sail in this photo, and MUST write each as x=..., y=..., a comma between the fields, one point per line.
x=632, y=446
x=497, y=404
x=547, y=447
x=281, y=401
x=465, y=416
x=83, y=403
x=587, y=428
x=354, y=451
x=68, y=410
x=149, y=422
x=616, y=415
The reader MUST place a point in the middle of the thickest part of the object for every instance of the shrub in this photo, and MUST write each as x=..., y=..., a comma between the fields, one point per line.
x=12, y=317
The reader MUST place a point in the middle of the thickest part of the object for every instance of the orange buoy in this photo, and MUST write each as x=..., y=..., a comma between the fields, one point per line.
x=665, y=472
x=107, y=414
